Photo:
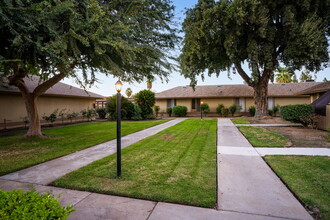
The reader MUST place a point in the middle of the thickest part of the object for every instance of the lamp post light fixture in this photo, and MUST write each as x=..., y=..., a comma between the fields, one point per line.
x=118, y=86
x=201, y=110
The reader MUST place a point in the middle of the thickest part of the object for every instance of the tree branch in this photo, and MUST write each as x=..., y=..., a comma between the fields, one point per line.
x=243, y=74
x=40, y=89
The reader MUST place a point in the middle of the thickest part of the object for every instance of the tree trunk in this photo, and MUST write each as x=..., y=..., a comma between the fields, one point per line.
x=30, y=99
x=32, y=111
x=260, y=98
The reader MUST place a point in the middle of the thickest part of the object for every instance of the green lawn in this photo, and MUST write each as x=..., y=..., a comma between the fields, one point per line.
x=260, y=137
x=17, y=152
x=308, y=177
x=240, y=121
x=176, y=165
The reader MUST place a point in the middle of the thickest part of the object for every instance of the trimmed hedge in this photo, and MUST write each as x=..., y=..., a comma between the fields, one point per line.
x=31, y=205
x=179, y=111
x=294, y=112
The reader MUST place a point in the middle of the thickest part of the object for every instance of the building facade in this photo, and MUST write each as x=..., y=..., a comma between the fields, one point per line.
x=59, y=97
x=278, y=94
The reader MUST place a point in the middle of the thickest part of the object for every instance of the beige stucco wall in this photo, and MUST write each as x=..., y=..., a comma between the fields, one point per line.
x=248, y=103
x=324, y=122
x=162, y=103
x=184, y=102
x=213, y=103
x=12, y=106
x=291, y=100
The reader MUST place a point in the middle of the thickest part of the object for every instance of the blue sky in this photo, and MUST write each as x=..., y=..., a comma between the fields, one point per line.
x=106, y=84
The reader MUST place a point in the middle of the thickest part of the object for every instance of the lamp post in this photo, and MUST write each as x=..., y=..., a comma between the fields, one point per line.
x=201, y=110
x=118, y=88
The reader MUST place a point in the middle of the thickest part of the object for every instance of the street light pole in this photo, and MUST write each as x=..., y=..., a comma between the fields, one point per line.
x=118, y=88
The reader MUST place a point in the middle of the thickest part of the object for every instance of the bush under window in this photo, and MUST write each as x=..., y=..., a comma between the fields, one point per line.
x=179, y=111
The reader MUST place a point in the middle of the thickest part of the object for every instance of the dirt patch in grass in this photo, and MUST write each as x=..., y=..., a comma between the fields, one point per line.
x=267, y=120
x=303, y=137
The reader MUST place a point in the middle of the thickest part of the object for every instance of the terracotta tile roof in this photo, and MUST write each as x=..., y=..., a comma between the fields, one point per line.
x=274, y=90
x=59, y=89
x=322, y=87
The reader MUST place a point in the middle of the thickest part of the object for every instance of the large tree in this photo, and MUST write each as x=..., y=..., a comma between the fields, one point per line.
x=223, y=35
x=54, y=38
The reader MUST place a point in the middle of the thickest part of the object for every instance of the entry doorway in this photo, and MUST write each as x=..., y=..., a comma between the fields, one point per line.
x=195, y=105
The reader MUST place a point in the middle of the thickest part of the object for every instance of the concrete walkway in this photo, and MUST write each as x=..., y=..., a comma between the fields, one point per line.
x=246, y=184
x=247, y=187
x=99, y=206
x=47, y=172
x=262, y=151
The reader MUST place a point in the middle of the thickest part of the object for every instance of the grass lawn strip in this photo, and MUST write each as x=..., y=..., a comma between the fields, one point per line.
x=308, y=177
x=176, y=165
x=17, y=153
x=260, y=137
x=240, y=121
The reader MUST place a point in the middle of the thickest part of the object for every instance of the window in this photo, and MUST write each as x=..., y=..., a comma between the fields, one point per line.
x=270, y=103
x=171, y=102
x=240, y=102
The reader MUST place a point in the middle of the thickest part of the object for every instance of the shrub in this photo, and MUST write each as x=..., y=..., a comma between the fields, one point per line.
x=205, y=108
x=145, y=99
x=148, y=117
x=295, y=112
x=270, y=112
x=62, y=114
x=156, y=109
x=252, y=111
x=50, y=118
x=310, y=120
x=219, y=109
x=276, y=108
x=72, y=116
x=101, y=113
x=31, y=205
x=179, y=111
x=169, y=111
x=136, y=115
x=224, y=112
x=126, y=110
x=88, y=113
x=232, y=109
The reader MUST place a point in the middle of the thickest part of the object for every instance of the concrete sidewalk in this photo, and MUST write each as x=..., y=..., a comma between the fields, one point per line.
x=47, y=172
x=246, y=184
x=262, y=151
x=247, y=188
x=96, y=206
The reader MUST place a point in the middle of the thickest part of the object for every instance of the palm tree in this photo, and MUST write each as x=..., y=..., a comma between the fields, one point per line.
x=128, y=92
x=149, y=83
x=305, y=75
x=285, y=75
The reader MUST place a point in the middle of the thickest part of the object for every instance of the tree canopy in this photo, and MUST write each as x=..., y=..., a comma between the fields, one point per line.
x=222, y=35
x=55, y=38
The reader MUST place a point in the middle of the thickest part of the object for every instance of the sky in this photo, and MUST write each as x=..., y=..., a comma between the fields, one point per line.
x=106, y=84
